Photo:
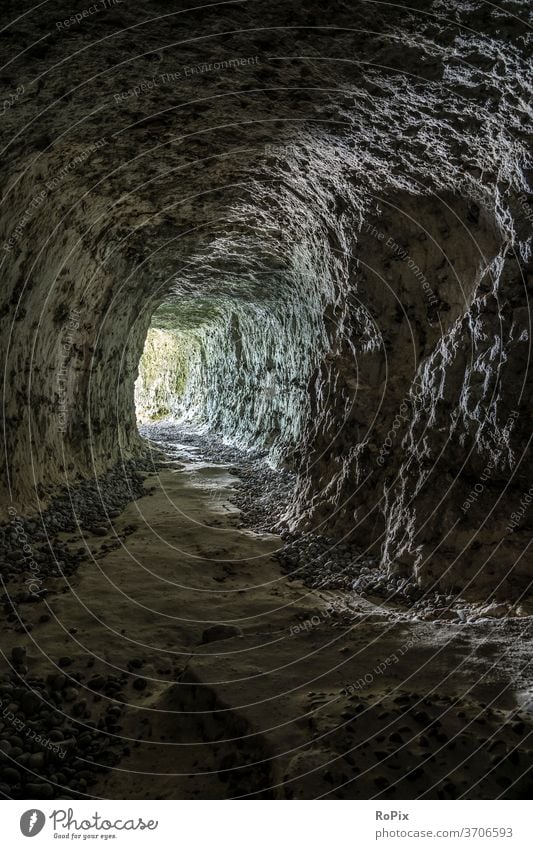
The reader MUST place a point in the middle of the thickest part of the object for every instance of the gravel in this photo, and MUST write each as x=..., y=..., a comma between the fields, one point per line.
x=44, y=753
x=30, y=548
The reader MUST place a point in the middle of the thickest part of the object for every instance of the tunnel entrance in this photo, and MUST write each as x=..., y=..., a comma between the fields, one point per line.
x=163, y=372
x=238, y=369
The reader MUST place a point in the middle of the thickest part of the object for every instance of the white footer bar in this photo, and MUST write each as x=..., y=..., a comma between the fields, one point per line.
x=268, y=824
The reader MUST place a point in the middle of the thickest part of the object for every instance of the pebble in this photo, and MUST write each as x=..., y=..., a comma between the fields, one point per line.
x=40, y=791
x=220, y=632
x=18, y=655
x=30, y=703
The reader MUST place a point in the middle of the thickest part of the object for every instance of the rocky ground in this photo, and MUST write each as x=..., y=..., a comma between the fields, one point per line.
x=88, y=506
x=41, y=747
x=41, y=742
x=263, y=496
x=195, y=653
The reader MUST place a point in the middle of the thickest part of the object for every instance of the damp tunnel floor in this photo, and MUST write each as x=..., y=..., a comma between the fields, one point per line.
x=232, y=676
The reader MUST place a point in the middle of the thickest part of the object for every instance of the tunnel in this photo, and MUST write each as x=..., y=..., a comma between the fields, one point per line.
x=266, y=399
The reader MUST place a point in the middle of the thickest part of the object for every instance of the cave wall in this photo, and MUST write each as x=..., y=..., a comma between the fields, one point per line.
x=424, y=462
x=338, y=219
x=72, y=341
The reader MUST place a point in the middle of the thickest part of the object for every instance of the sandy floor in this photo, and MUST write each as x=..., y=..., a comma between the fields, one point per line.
x=240, y=682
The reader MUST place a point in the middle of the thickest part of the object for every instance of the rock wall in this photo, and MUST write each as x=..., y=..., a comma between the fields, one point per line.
x=331, y=208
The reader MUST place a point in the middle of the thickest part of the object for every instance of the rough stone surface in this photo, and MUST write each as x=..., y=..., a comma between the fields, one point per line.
x=339, y=223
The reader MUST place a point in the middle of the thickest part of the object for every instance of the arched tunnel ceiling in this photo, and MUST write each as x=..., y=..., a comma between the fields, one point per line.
x=263, y=159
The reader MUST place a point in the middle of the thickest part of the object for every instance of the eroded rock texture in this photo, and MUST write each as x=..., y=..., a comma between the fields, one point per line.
x=330, y=210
